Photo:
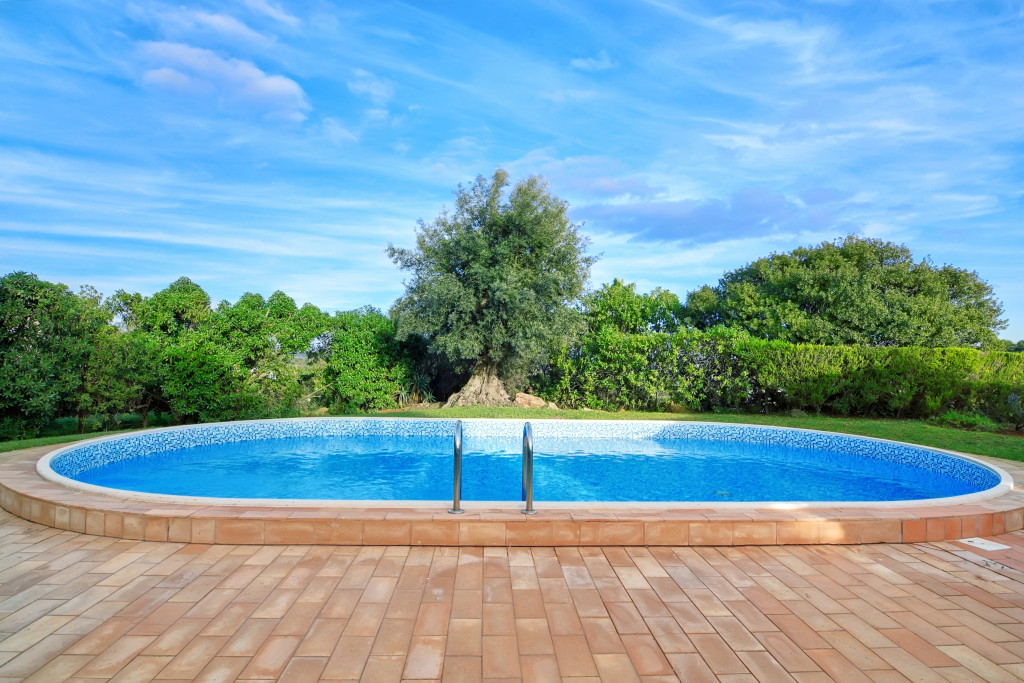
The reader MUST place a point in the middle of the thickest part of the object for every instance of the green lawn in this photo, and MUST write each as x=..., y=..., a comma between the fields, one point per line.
x=912, y=431
x=53, y=440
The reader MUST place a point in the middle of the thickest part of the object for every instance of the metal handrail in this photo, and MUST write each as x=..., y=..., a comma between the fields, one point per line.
x=457, y=484
x=528, y=469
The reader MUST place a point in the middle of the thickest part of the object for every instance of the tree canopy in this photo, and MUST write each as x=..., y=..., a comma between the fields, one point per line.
x=619, y=306
x=48, y=337
x=493, y=280
x=852, y=291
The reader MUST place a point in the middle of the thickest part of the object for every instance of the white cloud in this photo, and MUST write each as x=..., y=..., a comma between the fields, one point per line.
x=274, y=12
x=600, y=62
x=366, y=84
x=572, y=95
x=169, y=78
x=237, y=81
x=802, y=43
x=228, y=26
x=336, y=132
x=192, y=25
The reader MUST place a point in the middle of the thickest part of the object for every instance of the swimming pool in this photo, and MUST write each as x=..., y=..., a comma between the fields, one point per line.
x=610, y=461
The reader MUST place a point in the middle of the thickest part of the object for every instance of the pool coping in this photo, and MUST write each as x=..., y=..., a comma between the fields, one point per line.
x=25, y=493
x=45, y=470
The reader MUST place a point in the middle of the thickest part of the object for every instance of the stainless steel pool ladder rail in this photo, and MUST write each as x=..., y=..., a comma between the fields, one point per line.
x=528, y=469
x=457, y=484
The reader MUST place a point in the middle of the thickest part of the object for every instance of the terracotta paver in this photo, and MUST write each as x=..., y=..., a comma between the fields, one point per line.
x=83, y=607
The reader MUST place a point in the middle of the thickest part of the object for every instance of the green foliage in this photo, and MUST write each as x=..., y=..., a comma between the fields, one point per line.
x=48, y=337
x=492, y=281
x=619, y=307
x=611, y=370
x=1015, y=409
x=68, y=357
x=181, y=307
x=960, y=420
x=1012, y=347
x=854, y=292
x=232, y=362
x=364, y=367
x=726, y=369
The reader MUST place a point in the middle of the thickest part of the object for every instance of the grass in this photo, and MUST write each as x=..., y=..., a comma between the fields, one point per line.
x=53, y=440
x=993, y=444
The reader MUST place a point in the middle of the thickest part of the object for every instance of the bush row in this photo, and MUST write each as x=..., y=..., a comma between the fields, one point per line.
x=723, y=369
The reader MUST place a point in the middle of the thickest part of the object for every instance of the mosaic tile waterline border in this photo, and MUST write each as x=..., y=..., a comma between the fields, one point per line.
x=71, y=461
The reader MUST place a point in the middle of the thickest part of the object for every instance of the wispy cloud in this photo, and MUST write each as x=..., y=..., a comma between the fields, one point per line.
x=274, y=11
x=600, y=62
x=365, y=84
x=203, y=73
x=215, y=29
x=688, y=138
x=752, y=212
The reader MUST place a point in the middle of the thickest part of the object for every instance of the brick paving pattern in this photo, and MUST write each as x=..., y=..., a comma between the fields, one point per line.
x=85, y=608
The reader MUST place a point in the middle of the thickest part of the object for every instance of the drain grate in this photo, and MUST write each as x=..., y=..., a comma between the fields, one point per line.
x=983, y=544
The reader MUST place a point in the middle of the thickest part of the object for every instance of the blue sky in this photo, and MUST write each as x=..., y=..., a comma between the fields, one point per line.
x=261, y=144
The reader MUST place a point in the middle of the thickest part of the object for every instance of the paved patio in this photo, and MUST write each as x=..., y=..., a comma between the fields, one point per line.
x=81, y=607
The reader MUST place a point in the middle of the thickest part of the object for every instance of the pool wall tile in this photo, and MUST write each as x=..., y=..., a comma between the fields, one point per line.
x=796, y=533
x=289, y=532
x=753, y=533
x=1014, y=520
x=881, y=531
x=915, y=530
x=95, y=523
x=339, y=532
x=435, y=533
x=179, y=530
x=239, y=532
x=529, y=534
x=134, y=527
x=204, y=531
x=666, y=533
x=61, y=517
x=565, y=533
x=710, y=533
x=387, y=532
x=23, y=492
x=935, y=530
x=73, y=460
x=482, y=533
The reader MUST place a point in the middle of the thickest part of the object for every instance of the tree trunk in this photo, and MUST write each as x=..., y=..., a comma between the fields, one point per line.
x=483, y=389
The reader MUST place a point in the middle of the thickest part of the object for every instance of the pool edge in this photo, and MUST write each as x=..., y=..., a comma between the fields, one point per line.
x=24, y=493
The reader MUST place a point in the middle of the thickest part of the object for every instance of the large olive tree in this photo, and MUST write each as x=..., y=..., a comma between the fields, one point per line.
x=492, y=282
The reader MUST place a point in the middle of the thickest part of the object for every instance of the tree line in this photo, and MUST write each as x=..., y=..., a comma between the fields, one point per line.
x=79, y=355
x=497, y=304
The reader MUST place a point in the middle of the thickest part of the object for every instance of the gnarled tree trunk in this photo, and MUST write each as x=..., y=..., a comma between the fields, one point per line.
x=483, y=389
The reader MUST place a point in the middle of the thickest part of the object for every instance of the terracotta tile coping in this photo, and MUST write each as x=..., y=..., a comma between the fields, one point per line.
x=24, y=493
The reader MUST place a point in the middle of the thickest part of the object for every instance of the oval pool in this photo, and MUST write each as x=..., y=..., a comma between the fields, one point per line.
x=328, y=459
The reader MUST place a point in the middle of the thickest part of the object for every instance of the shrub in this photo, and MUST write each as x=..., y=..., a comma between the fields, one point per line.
x=726, y=369
x=972, y=421
x=1015, y=407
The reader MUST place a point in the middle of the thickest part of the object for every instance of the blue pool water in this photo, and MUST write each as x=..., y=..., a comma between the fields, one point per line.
x=577, y=468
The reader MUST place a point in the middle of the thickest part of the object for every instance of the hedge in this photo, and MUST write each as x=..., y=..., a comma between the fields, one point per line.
x=722, y=369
